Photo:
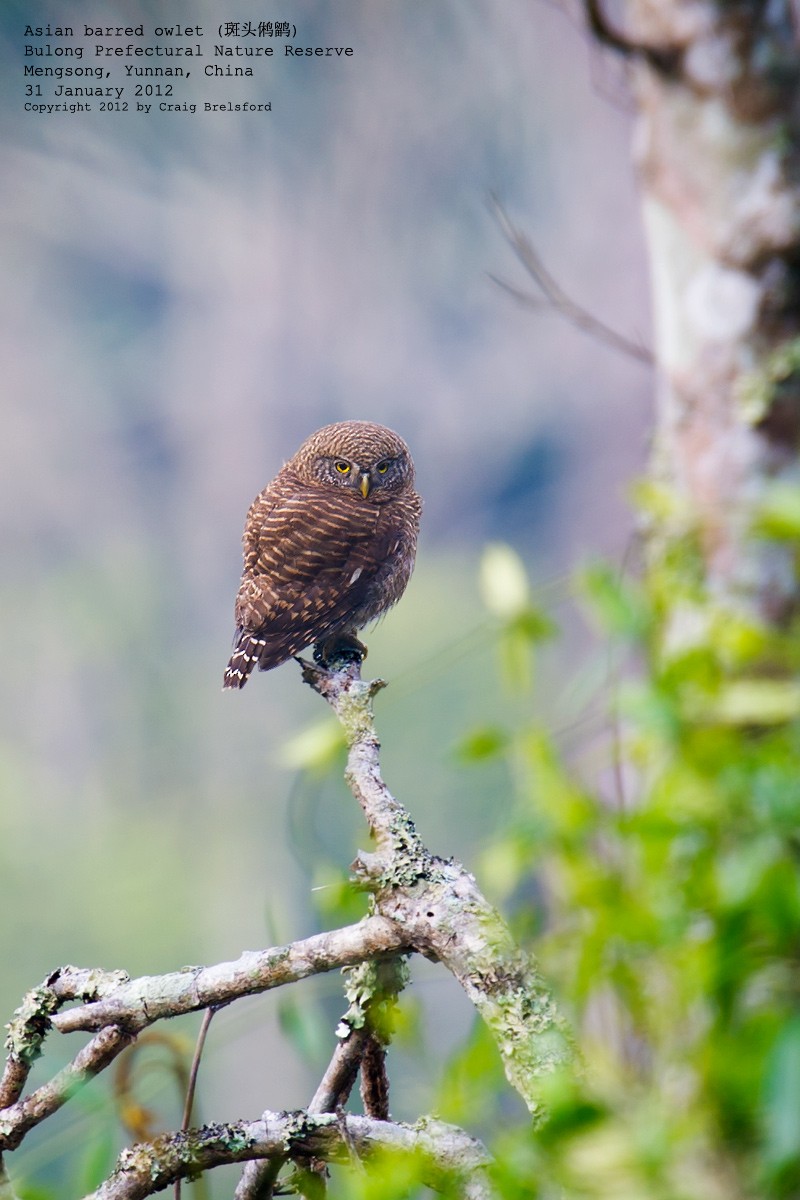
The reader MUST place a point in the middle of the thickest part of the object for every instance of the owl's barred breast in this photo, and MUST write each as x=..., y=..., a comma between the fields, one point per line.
x=329, y=545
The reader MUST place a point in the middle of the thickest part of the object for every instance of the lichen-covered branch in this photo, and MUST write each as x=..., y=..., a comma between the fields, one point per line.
x=137, y=1003
x=119, y=1008
x=93, y=1058
x=439, y=906
x=419, y=903
x=448, y=1154
x=372, y=988
x=27, y=1031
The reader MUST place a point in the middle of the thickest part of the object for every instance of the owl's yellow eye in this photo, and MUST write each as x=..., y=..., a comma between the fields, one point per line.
x=383, y=467
x=342, y=467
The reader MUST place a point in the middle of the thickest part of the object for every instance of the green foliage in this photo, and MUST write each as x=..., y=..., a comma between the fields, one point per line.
x=757, y=390
x=99, y=1158
x=657, y=881
x=779, y=512
x=473, y=1082
x=303, y=1025
x=521, y=624
x=337, y=900
x=316, y=748
x=391, y=1176
x=667, y=892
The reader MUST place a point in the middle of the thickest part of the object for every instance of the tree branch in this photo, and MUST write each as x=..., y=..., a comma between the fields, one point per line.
x=439, y=907
x=664, y=58
x=126, y=1006
x=139, y=1002
x=340, y=1076
x=21, y=1117
x=447, y=1153
x=554, y=296
x=419, y=902
x=372, y=989
x=374, y=1080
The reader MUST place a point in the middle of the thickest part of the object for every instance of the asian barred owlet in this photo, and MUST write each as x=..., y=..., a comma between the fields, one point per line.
x=329, y=546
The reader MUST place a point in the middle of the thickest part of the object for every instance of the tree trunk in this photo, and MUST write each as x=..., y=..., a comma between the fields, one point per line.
x=717, y=87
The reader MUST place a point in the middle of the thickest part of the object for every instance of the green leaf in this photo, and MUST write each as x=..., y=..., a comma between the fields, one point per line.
x=336, y=898
x=504, y=582
x=316, y=748
x=98, y=1159
x=778, y=515
x=739, y=872
x=755, y=702
x=532, y=625
x=481, y=744
x=304, y=1028
x=782, y=1095
x=503, y=864
x=618, y=602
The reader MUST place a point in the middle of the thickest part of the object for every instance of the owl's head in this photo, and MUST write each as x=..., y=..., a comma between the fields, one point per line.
x=367, y=458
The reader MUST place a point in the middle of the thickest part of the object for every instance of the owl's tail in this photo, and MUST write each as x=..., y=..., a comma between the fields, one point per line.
x=246, y=649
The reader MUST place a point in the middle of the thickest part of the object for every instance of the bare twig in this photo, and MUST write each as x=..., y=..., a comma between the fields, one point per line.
x=6, y=1190
x=15, y=1076
x=339, y=1079
x=553, y=295
x=374, y=1080
x=259, y=1178
x=663, y=58
x=372, y=990
x=208, y=1017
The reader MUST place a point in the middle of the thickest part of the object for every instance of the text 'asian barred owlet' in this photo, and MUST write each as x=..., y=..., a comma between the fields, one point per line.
x=329, y=546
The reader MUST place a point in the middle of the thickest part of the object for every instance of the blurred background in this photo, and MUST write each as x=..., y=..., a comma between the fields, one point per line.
x=185, y=298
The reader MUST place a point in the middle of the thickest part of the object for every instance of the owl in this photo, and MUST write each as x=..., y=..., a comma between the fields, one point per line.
x=329, y=546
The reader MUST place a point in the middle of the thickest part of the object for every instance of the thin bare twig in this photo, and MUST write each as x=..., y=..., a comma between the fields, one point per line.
x=208, y=1017
x=6, y=1190
x=663, y=58
x=553, y=295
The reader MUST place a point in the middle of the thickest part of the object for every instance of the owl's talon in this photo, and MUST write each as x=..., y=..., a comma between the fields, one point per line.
x=345, y=649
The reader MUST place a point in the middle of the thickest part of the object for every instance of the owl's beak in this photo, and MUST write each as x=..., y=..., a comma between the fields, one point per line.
x=363, y=486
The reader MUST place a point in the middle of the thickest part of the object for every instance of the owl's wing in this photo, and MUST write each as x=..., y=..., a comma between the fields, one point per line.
x=310, y=558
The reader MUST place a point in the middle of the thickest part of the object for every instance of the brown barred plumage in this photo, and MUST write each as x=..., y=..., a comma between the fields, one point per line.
x=329, y=545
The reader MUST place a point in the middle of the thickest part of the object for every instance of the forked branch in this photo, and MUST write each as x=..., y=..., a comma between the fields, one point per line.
x=439, y=907
x=420, y=902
